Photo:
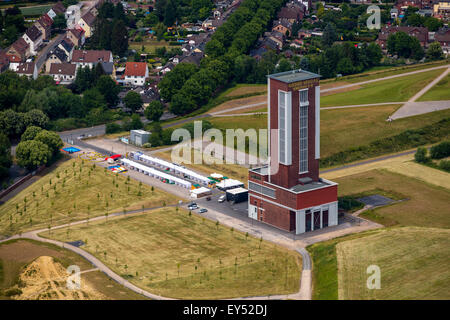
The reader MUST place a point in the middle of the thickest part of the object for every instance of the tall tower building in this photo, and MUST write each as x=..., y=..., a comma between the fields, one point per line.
x=288, y=193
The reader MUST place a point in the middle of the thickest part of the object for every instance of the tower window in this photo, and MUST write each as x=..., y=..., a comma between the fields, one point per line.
x=303, y=131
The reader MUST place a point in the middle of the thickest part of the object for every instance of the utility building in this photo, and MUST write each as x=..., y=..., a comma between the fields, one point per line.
x=288, y=192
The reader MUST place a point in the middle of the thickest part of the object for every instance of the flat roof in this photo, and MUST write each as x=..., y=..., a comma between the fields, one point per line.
x=309, y=186
x=140, y=131
x=237, y=190
x=293, y=76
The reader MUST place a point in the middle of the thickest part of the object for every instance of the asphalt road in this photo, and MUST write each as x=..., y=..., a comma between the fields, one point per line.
x=50, y=46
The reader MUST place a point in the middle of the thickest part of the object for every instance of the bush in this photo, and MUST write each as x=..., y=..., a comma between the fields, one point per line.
x=349, y=203
x=445, y=165
x=113, y=128
x=147, y=145
x=421, y=155
x=441, y=150
x=12, y=292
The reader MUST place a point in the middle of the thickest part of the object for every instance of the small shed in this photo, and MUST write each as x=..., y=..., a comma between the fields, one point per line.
x=237, y=195
x=200, y=192
x=139, y=137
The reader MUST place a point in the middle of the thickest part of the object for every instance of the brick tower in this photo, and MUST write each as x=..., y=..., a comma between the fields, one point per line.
x=288, y=193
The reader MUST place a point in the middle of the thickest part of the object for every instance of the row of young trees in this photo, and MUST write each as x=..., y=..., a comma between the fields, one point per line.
x=189, y=87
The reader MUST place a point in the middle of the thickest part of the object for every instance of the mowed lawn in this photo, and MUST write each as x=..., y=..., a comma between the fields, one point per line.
x=393, y=90
x=424, y=205
x=341, y=129
x=174, y=254
x=441, y=91
x=76, y=190
x=413, y=261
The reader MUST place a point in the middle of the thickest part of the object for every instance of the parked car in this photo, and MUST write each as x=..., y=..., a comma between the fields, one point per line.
x=203, y=210
x=222, y=198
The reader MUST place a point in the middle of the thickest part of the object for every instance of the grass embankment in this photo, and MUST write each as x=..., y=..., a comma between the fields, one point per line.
x=407, y=139
x=441, y=91
x=178, y=255
x=385, y=71
x=425, y=205
x=16, y=254
x=76, y=190
x=413, y=262
x=393, y=90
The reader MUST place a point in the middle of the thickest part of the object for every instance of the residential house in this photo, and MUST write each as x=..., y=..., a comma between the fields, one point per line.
x=441, y=9
x=34, y=39
x=76, y=36
x=44, y=24
x=67, y=46
x=84, y=58
x=56, y=56
x=194, y=57
x=58, y=8
x=63, y=73
x=420, y=33
x=394, y=13
x=87, y=23
x=136, y=73
x=14, y=62
x=109, y=69
x=258, y=53
x=283, y=26
x=292, y=12
x=167, y=68
x=19, y=49
x=402, y=5
x=443, y=37
x=27, y=69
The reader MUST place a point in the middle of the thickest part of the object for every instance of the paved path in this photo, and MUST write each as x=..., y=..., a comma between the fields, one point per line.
x=238, y=108
x=412, y=108
x=384, y=78
x=50, y=46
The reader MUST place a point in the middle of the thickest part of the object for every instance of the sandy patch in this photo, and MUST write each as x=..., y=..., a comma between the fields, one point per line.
x=46, y=279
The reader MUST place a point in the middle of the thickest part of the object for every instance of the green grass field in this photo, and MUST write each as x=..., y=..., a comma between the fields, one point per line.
x=413, y=264
x=344, y=128
x=173, y=254
x=441, y=91
x=385, y=71
x=398, y=89
x=16, y=254
x=76, y=190
x=425, y=205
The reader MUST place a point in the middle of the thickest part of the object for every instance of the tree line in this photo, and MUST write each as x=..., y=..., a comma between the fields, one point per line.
x=189, y=87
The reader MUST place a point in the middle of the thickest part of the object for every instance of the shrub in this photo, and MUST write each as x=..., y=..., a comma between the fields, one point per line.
x=147, y=145
x=445, y=165
x=441, y=150
x=113, y=128
x=349, y=203
x=421, y=155
x=12, y=292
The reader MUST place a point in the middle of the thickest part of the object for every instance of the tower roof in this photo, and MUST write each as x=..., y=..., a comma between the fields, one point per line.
x=293, y=76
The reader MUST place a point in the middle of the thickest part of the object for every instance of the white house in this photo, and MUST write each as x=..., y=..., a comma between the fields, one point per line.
x=136, y=73
x=33, y=36
x=63, y=73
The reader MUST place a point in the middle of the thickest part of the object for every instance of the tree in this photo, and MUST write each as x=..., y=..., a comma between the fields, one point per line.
x=59, y=22
x=434, y=51
x=284, y=65
x=109, y=89
x=36, y=117
x=32, y=153
x=12, y=123
x=154, y=111
x=119, y=38
x=5, y=155
x=159, y=30
x=136, y=122
x=421, y=155
x=214, y=48
x=433, y=24
x=173, y=81
x=170, y=13
x=133, y=101
x=51, y=139
x=329, y=34
x=404, y=46
x=30, y=133
x=92, y=99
